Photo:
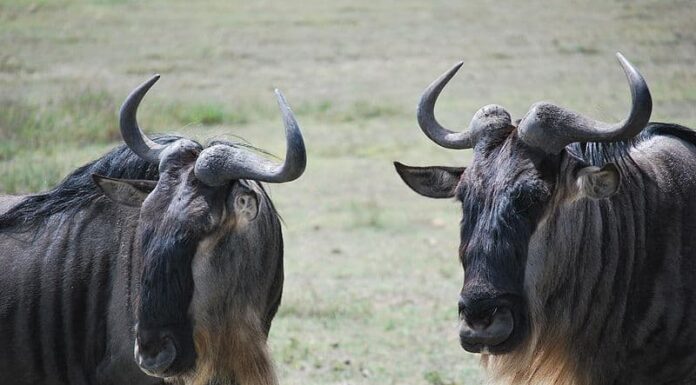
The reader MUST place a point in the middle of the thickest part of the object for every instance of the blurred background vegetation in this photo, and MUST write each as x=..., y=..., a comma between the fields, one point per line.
x=372, y=273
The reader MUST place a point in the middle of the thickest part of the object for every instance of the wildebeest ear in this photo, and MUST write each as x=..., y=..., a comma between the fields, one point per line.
x=432, y=182
x=598, y=183
x=127, y=192
x=245, y=201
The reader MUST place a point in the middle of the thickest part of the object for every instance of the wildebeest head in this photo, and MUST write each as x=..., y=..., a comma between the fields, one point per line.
x=518, y=173
x=204, y=214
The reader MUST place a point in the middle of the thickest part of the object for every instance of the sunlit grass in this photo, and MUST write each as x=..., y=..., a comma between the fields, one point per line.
x=372, y=273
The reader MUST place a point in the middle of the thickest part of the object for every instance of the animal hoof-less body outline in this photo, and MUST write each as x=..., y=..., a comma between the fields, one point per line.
x=162, y=259
x=576, y=241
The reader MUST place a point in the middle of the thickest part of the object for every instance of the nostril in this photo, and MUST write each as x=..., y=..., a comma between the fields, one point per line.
x=151, y=342
x=481, y=320
x=490, y=327
x=155, y=352
x=152, y=346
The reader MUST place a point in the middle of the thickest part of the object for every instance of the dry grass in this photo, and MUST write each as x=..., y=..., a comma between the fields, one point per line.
x=372, y=272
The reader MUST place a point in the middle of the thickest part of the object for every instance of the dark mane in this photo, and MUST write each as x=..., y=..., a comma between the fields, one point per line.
x=597, y=154
x=77, y=190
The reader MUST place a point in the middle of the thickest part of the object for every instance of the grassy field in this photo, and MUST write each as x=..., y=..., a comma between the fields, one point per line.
x=372, y=272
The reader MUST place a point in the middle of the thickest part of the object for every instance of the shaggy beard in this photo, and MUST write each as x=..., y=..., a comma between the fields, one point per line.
x=546, y=361
x=231, y=352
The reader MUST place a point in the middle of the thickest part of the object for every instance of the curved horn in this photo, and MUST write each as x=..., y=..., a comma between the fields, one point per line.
x=131, y=132
x=551, y=128
x=219, y=164
x=429, y=124
x=490, y=117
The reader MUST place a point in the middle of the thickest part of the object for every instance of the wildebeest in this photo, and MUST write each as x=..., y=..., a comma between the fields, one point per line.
x=162, y=257
x=577, y=241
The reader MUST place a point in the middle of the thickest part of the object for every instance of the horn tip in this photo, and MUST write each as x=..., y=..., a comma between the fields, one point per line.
x=621, y=57
x=625, y=64
x=281, y=99
x=449, y=74
x=630, y=71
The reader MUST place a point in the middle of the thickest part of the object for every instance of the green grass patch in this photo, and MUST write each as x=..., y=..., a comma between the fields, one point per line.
x=435, y=378
x=359, y=110
x=205, y=114
x=85, y=117
x=32, y=132
x=215, y=114
x=363, y=110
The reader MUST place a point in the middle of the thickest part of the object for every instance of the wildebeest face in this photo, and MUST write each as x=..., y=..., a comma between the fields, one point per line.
x=502, y=194
x=519, y=173
x=205, y=203
x=177, y=213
